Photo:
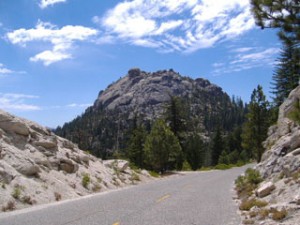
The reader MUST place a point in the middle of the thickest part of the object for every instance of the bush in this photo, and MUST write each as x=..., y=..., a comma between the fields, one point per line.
x=154, y=174
x=134, y=177
x=253, y=176
x=16, y=192
x=186, y=166
x=247, y=183
x=247, y=204
x=27, y=199
x=86, y=180
x=57, y=196
x=10, y=206
x=279, y=215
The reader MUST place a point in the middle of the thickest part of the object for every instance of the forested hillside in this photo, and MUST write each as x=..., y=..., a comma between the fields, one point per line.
x=204, y=120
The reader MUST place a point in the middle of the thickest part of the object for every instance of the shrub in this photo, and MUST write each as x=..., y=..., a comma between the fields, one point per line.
x=247, y=204
x=247, y=183
x=86, y=180
x=57, y=196
x=186, y=166
x=253, y=176
x=16, y=193
x=27, y=199
x=154, y=174
x=10, y=206
x=263, y=213
x=248, y=221
x=96, y=188
x=279, y=215
x=134, y=177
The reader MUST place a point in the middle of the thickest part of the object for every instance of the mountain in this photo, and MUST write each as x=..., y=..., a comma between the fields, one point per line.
x=142, y=97
x=37, y=167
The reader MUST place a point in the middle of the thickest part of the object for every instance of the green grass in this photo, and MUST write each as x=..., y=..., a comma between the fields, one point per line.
x=154, y=174
x=86, y=180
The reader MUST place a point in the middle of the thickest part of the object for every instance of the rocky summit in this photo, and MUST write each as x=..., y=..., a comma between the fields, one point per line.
x=143, y=96
x=144, y=93
x=36, y=167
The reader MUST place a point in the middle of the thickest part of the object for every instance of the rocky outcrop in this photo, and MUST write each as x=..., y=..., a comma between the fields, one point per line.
x=283, y=142
x=143, y=96
x=146, y=92
x=37, y=167
x=280, y=168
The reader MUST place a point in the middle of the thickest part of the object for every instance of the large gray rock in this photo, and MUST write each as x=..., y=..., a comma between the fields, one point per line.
x=283, y=143
x=265, y=189
x=47, y=142
x=27, y=169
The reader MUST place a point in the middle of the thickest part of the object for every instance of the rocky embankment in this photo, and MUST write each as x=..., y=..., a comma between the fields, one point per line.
x=280, y=170
x=38, y=167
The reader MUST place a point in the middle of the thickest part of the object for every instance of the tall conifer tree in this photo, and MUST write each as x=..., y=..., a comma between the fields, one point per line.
x=256, y=127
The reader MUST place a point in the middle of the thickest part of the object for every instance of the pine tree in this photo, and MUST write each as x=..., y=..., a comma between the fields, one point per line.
x=287, y=74
x=175, y=116
x=162, y=149
x=217, y=147
x=194, y=151
x=256, y=127
x=282, y=14
x=135, y=149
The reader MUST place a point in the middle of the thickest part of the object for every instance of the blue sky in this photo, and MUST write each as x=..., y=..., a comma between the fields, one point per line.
x=56, y=55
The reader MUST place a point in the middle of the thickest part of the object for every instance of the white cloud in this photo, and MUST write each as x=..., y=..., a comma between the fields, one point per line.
x=76, y=105
x=13, y=101
x=45, y=3
x=182, y=25
x=62, y=40
x=49, y=57
x=245, y=59
x=4, y=70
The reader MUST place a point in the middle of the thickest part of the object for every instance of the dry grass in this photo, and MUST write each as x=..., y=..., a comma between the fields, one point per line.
x=247, y=204
x=278, y=215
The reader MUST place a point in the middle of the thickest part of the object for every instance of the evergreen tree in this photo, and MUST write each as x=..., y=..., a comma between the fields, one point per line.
x=176, y=116
x=135, y=148
x=287, y=74
x=282, y=14
x=256, y=127
x=217, y=147
x=194, y=151
x=162, y=149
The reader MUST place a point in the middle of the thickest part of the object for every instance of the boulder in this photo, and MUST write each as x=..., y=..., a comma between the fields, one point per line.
x=120, y=165
x=68, y=144
x=68, y=166
x=15, y=127
x=265, y=189
x=49, y=142
x=5, y=176
x=28, y=169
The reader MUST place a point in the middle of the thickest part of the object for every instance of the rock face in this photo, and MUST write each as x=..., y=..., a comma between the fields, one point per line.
x=283, y=142
x=280, y=165
x=37, y=167
x=144, y=95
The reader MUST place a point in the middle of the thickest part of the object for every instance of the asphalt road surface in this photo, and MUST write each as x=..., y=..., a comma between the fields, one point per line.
x=195, y=198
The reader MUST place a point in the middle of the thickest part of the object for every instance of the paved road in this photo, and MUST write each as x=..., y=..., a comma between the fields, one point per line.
x=196, y=198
